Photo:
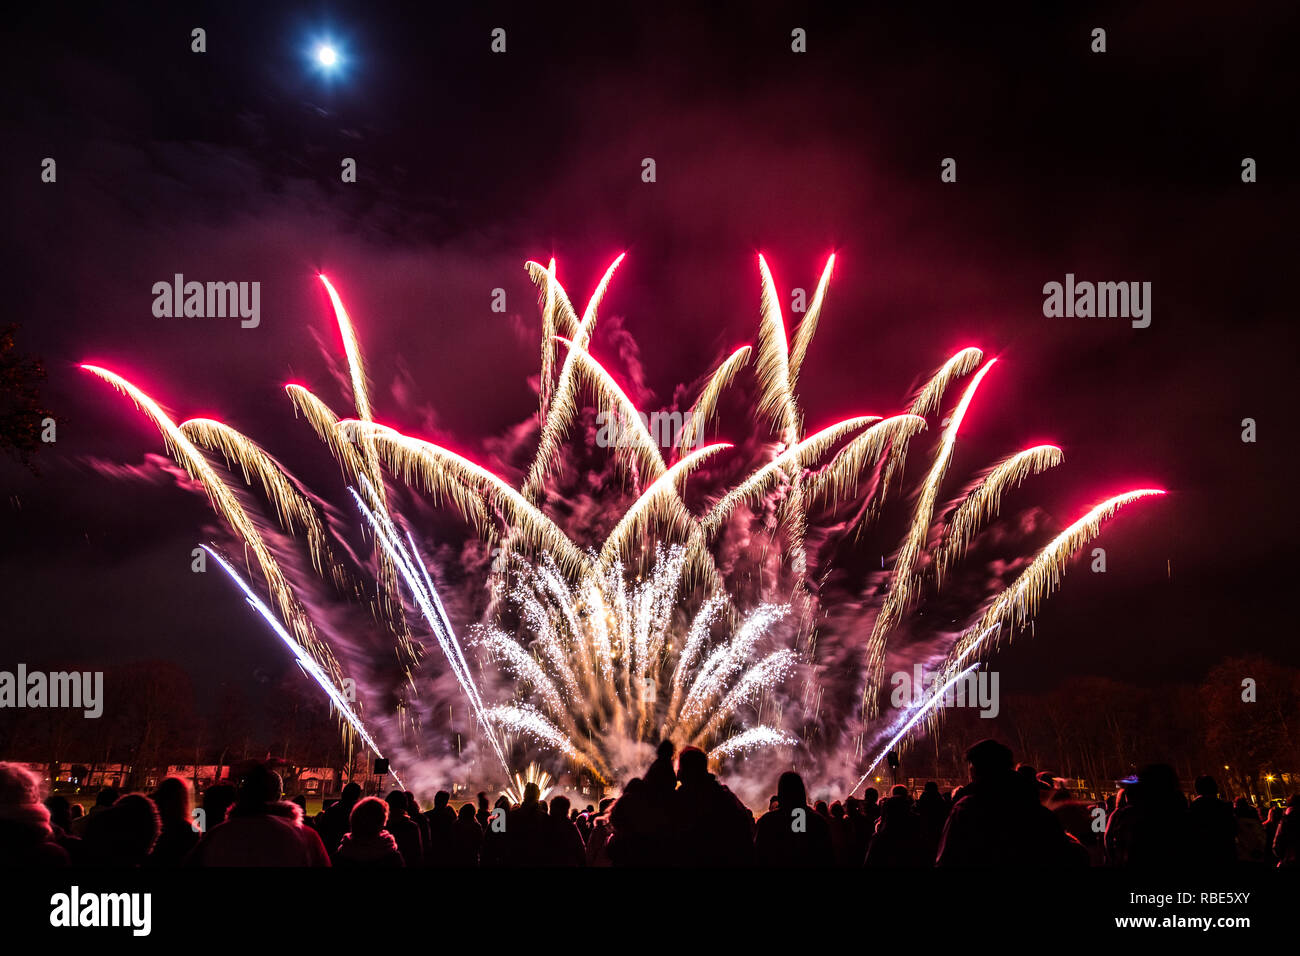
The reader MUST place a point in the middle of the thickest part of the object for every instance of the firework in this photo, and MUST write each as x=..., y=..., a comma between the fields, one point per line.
x=426, y=598
x=292, y=507
x=752, y=739
x=808, y=327
x=660, y=498
x=1018, y=603
x=303, y=658
x=227, y=505
x=612, y=645
x=905, y=582
x=467, y=485
x=926, y=707
x=985, y=500
x=803, y=454
x=520, y=781
x=557, y=415
x=701, y=413
x=609, y=669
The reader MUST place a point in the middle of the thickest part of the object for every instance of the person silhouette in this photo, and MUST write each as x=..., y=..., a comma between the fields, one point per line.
x=711, y=826
x=1286, y=841
x=1251, y=850
x=404, y=830
x=336, y=820
x=900, y=840
x=641, y=825
x=466, y=838
x=367, y=843
x=793, y=834
x=562, y=843
x=1149, y=826
x=260, y=829
x=1211, y=825
x=495, y=851
x=124, y=834
x=526, y=828
x=999, y=821
x=178, y=835
x=26, y=836
x=441, y=819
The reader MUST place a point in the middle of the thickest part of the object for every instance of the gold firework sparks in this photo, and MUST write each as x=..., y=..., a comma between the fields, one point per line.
x=535, y=775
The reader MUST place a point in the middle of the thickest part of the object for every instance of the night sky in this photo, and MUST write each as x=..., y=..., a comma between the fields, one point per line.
x=225, y=166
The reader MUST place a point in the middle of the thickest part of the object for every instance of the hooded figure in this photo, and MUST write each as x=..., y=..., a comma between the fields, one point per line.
x=368, y=843
x=261, y=830
x=26, y=837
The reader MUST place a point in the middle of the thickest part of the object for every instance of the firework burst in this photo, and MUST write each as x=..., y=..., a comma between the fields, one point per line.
x=614, y=665
x=514, y=792
x=610, y=645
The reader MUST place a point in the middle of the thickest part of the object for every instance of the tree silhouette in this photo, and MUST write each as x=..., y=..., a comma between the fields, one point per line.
x=21, y=411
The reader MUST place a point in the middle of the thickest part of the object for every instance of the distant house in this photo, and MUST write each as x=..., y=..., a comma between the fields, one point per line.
x=201, y=776
x=94, y=775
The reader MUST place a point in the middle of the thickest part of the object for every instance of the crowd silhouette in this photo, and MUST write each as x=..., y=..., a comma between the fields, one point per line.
x=677, y=814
